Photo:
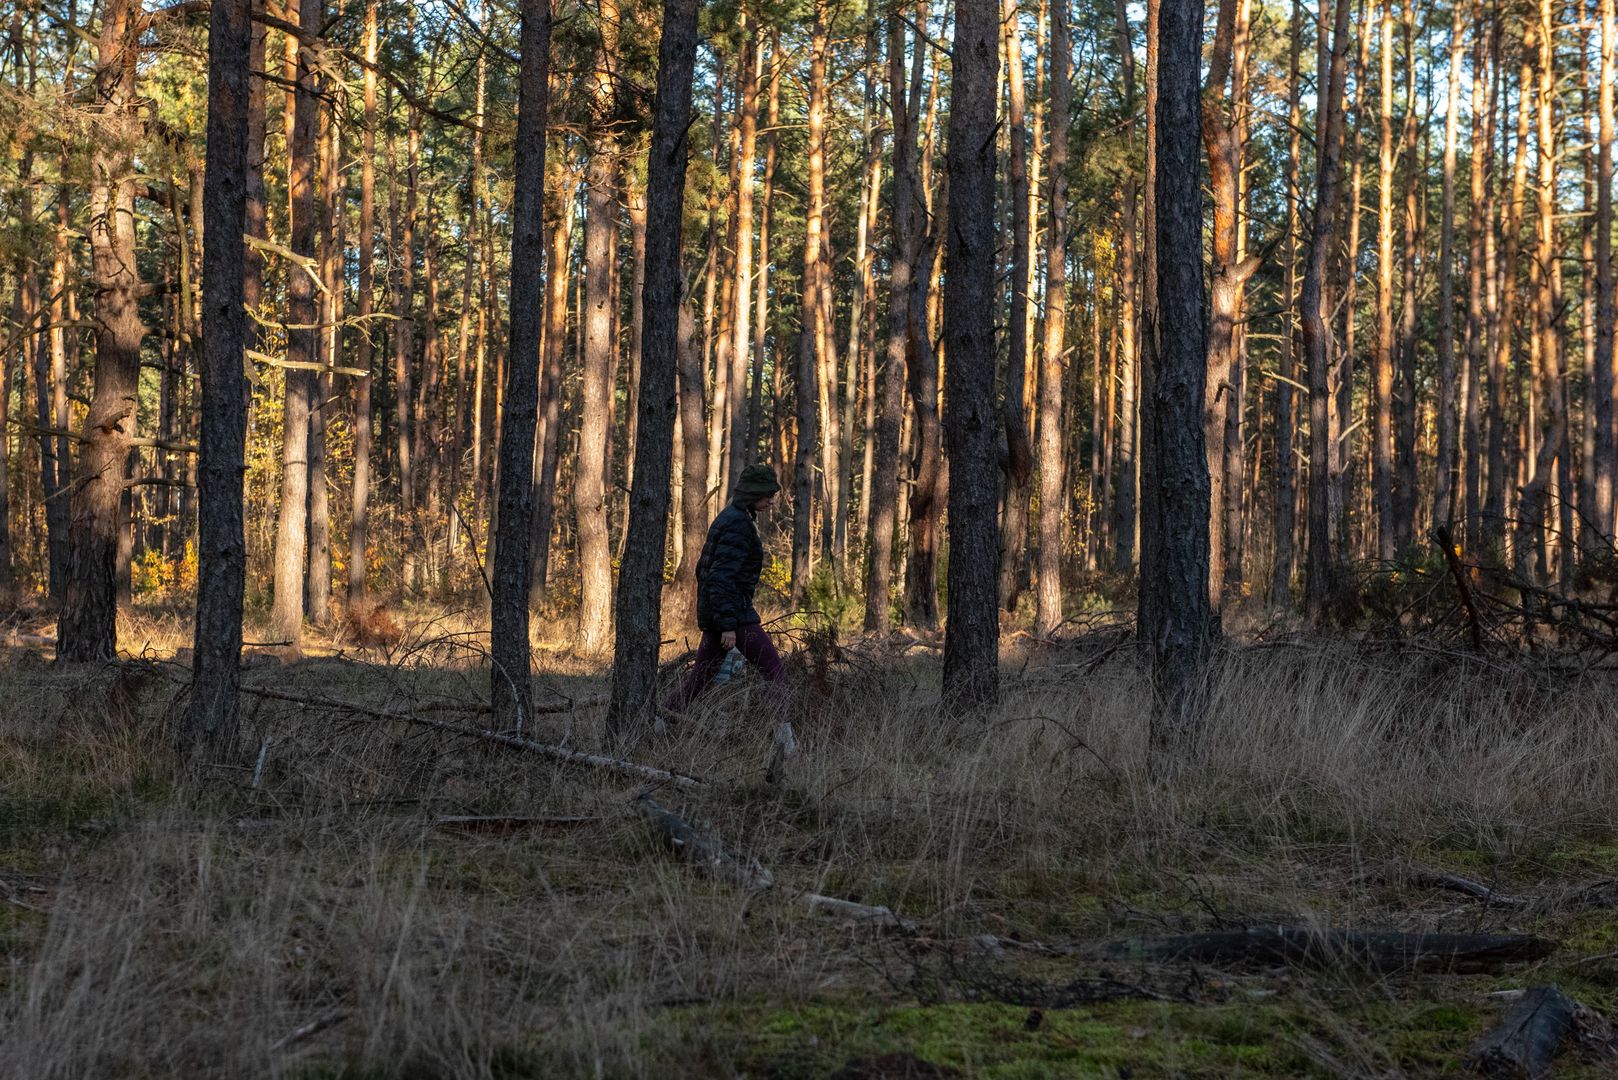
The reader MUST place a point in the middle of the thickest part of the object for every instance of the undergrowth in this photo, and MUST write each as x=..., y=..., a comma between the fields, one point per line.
x=316, y=917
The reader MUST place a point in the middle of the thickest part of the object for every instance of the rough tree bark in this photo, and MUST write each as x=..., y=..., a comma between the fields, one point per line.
x=88, y=625
x=1286, y=469
x=509, y=681
x=302, y=350
x=600, y=239
x=1324, y=586
x=222, y=551
x=1019, y=457
x=884, y=497
x=1222, y=133
x=1448, y=414
x=1052, y=474
x=972, y=630
x=1603, y=381
x=1535, y=497
x=365, y=353
x=811, y=336
x=1125, y=500
x=634, y=671
x=1175, y=618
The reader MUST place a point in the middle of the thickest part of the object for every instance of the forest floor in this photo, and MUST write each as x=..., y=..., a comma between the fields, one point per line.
x=315, y=911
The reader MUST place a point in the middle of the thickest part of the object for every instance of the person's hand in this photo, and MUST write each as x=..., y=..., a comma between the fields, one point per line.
x=727, y=640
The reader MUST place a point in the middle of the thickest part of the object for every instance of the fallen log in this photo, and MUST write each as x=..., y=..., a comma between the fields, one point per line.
x=700, y=849
x=1524, y=1043
x=1385, y=952
x=515, y=742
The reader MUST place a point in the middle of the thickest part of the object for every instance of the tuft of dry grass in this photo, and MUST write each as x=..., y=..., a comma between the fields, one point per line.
x=319, y=924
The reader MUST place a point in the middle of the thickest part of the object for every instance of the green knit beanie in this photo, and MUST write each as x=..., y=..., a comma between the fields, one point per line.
x=756, y=482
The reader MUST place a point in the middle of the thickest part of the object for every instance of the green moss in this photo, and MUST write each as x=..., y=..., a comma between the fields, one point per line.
x=1001, y=1042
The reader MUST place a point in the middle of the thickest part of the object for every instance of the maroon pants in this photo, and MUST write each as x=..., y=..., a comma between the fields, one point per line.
x=755, y=646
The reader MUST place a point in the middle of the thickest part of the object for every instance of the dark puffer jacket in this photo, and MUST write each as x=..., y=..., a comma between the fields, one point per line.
x=727, y=572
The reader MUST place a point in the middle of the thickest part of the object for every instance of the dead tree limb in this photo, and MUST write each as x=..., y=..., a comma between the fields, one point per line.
x=1378, y=951
x=701, y=850
x=1525, y=1042
x=515, y=742
x=1458, y=572
x=704, y=852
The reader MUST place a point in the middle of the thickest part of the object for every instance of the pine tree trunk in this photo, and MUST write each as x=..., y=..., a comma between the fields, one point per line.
x=1052, y=462
x=318, y=589
x=365, y=354
x=884, y=497
x=600, y=240
x=509, y=680
x=88, y=623
x=971, y=634
x=1019, y=457
x=1325, y=582
x=1603, y=379
x=1175, y=618
x=1286, y=469
x=750, y=68
x=813, y=338
x=1552, y=425
x=1448, y=419
x=291, y=534
x=1382, y=471
x=634, y=673
x=1125, y=523
x=547, y=450
x=212, y=721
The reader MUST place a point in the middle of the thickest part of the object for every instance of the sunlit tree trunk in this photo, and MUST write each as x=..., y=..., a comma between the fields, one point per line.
x=1123, y=433
x=1286, y=469
x=813, y=338
x=901, y=264
x=365, y=354
x=1382, y=471
x=1603, y=381
x=302, y=351
x=1552, y=424
x=600, y=239
x=1052, y=463
x=1221, y=131
x=548, y=448
x=88, y=624
x=1018, y=460
x=1325, y=555
x=750, y=68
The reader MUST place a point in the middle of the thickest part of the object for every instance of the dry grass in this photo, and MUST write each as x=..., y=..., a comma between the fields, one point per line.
x=155, y=929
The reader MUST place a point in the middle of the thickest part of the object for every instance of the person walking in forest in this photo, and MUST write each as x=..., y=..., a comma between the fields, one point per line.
x=727, y=576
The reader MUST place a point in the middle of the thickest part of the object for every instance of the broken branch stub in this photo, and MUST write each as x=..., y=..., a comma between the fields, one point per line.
x=1524, y=1043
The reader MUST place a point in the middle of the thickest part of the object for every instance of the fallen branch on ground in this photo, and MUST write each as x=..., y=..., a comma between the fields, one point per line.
x=1422, y=875
x=515, y=742
x=701, y=850
x=706, y=854
x=874, y=913
x=1379, y=951
x=1525, y=1041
